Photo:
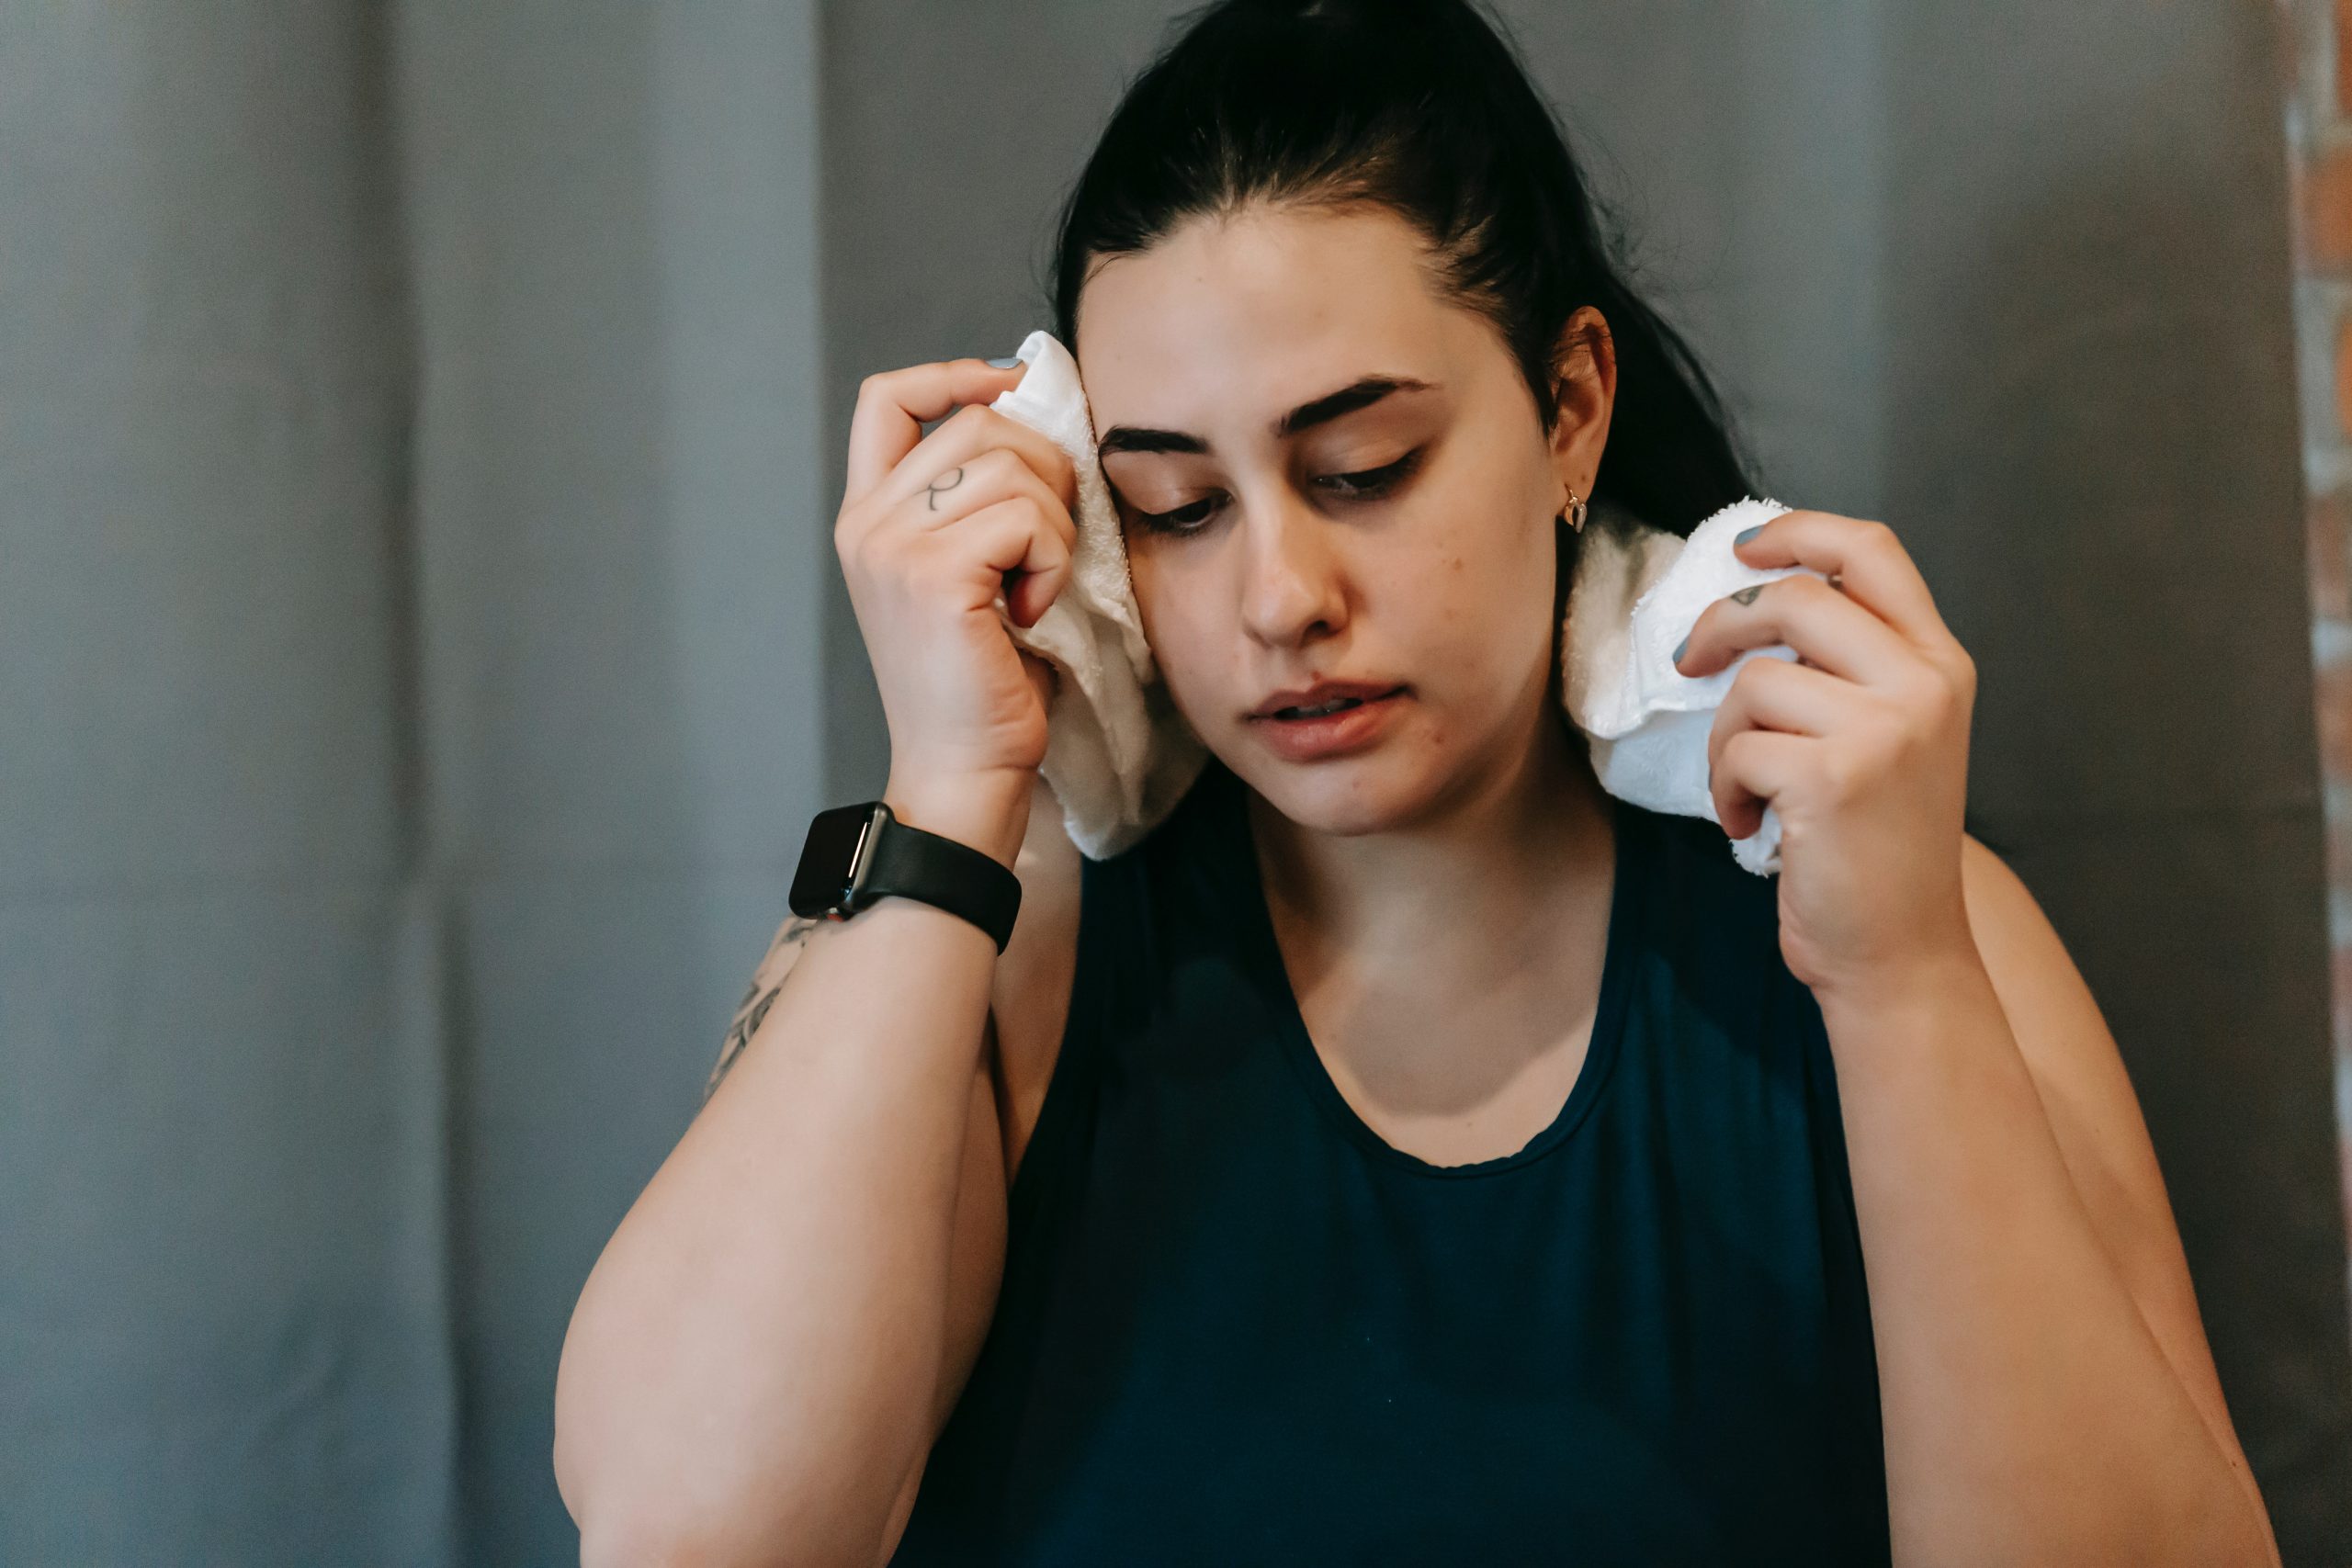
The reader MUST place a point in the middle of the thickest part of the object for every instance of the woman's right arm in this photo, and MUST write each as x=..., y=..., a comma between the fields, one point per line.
x=750, y=1373
x=758, y=1363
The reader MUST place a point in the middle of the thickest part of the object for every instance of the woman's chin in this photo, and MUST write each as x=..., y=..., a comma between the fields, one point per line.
x=1344, y=796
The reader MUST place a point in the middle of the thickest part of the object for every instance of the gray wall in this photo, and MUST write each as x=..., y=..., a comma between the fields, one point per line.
x=221, y=1313
x=618, y=548
x=421, y=646
x=410, y=570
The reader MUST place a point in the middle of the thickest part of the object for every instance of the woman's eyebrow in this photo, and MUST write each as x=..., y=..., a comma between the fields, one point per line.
x=1315, y=412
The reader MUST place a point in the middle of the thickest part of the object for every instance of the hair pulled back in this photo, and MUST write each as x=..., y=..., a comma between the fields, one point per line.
x=1422, y=107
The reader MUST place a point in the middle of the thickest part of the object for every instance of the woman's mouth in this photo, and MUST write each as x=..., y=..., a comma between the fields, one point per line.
x=1334, y=705
x=1328, y=729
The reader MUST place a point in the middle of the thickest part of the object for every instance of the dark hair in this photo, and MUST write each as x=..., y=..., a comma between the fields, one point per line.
x=1426, y=108
x=1420, y=106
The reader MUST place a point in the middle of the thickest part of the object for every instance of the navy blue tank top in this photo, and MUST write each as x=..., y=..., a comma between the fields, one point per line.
x=1237, y=1326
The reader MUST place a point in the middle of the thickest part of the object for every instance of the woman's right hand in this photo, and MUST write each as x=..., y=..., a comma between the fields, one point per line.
x=930, y=528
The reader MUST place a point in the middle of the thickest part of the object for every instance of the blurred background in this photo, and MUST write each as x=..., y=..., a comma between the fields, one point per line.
x=422, y=649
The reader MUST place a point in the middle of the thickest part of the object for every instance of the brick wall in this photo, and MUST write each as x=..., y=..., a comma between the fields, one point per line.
x=2316, y=67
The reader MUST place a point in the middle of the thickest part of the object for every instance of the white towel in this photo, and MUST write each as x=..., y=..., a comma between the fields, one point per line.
x=1119, y=756
x=1117, y=752
x=1637, y=591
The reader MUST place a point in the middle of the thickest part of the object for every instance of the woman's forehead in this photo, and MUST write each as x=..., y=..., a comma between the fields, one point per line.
x=1235, y=322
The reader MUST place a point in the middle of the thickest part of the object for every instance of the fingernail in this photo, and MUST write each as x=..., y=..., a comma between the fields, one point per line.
x=1746, y=534
x=1007, y=363
x=1677, y=655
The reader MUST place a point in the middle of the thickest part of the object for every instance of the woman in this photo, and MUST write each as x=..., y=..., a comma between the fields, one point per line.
x=1407, y=1153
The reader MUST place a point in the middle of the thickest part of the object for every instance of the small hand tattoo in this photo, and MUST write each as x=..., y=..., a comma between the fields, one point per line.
x=1748, y=594
x=945, y=481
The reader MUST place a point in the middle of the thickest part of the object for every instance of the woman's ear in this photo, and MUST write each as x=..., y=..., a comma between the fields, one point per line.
x=1586, y=395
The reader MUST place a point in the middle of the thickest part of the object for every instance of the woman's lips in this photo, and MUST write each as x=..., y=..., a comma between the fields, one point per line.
x=1350, y=729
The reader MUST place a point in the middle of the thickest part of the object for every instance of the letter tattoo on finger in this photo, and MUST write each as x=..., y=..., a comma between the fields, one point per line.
x=945, y=481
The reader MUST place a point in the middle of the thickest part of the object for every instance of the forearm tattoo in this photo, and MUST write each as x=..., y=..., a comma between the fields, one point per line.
x=767, y=984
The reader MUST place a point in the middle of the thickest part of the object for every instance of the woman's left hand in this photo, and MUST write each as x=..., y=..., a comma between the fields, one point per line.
x=1861, y=747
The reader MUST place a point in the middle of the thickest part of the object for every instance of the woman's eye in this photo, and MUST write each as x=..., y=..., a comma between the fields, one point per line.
x=1180, y=521
x=1374, y=481
x=1367, y=484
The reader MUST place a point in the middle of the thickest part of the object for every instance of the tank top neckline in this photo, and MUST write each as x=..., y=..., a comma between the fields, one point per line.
x=1263, y=953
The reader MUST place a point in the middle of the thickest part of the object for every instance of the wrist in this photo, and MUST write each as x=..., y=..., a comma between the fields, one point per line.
x=990, y=812
x=1930, y=986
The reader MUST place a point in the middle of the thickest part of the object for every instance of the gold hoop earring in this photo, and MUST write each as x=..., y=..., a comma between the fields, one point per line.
x=1575, y=515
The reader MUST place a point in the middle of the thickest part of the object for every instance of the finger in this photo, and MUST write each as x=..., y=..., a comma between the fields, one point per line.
x=1024, y=558
x=1827, y=628
x=970, y=432
x=1870, y=563
x=894, y=405
x=1772, y=692
x=1752, y=770
x=994, y=476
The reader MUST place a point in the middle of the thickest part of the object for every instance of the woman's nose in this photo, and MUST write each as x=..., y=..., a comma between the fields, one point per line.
x=1291, y=592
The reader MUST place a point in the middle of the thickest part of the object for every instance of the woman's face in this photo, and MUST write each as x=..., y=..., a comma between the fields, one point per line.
x=1324, y=472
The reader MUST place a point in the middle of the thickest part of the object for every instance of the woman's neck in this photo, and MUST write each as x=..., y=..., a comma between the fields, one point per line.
x=1509, y=848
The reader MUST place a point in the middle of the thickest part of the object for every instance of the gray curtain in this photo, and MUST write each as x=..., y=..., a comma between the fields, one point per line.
x=421, y=647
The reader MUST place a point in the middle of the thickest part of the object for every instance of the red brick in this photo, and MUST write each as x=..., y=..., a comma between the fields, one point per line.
x=2343, y=53
x=2337, y=855
x=2330, y=574
x=2344, y=379
x=2333, y=694
x=2322, y=192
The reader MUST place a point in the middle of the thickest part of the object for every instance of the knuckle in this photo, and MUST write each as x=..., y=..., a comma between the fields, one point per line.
x=869, y=554
x=1841, y=773
x=1937, y=694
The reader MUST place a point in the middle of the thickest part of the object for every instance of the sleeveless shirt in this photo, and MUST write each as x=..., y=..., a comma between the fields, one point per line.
x=1237, y=1326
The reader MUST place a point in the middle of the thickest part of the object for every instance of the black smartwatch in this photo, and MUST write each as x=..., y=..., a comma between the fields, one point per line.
x=858, y=853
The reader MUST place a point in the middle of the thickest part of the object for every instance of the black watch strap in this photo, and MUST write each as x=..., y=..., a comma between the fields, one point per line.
x=948, y=872
x=893, y=858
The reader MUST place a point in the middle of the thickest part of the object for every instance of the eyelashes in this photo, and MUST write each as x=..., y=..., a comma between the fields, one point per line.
x=1364, y=485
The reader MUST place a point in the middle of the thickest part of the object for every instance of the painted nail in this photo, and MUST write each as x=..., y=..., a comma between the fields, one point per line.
x=1007, y=363
x=1679, y=648
x=1746, y=534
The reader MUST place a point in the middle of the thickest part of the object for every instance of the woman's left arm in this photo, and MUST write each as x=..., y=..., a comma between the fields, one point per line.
x=2047, y=1392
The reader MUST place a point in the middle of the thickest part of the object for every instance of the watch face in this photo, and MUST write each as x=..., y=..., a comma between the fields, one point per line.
x=827, y=876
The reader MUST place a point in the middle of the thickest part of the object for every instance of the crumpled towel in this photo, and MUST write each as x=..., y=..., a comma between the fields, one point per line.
x=1636, y=594
x=1119, y=756
x=1117, y=752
